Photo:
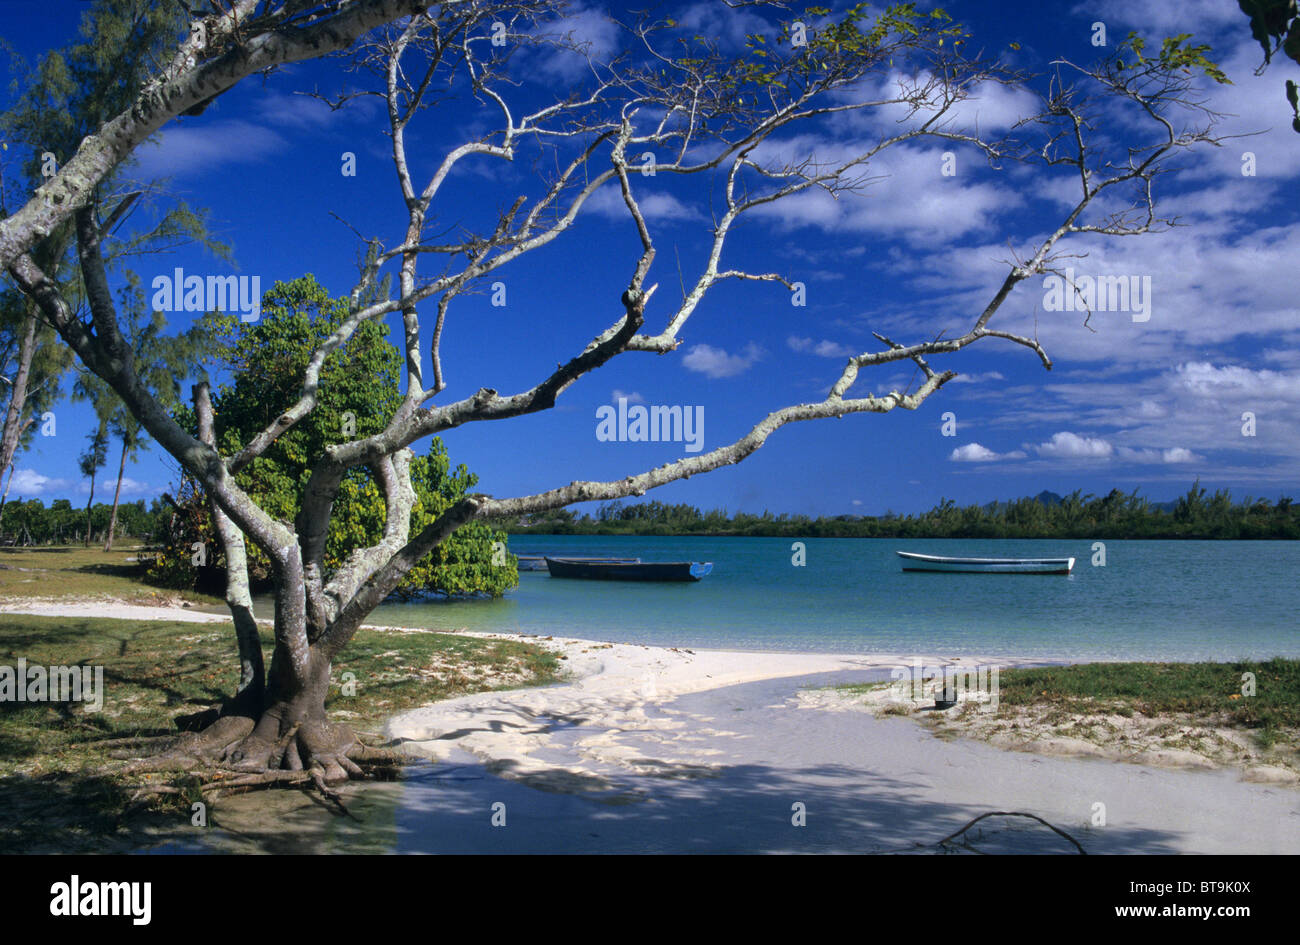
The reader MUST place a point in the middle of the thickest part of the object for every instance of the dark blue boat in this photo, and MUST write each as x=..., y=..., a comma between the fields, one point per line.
x=628, y=571
x=538, y=562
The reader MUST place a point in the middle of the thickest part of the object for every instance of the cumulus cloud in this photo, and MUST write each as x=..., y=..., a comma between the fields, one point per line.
x=908, y=197
x=632, y=396
x=1067, y=445
x=28, y=482
x=716, y=362
x=977, y=453
x=1230, y=381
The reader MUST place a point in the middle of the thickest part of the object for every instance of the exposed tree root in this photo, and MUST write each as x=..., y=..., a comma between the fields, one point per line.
x=233, y=755
x=952, y=837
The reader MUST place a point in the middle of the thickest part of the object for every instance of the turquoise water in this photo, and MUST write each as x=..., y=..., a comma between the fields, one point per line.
x=1153, y=600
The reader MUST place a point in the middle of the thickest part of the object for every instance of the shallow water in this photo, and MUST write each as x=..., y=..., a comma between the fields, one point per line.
x=1161, y=600
x=1152, y=600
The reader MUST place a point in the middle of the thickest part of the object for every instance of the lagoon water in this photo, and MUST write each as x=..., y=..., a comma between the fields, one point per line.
x=1153, y=600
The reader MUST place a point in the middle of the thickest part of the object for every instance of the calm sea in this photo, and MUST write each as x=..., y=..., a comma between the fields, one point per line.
x=1153, y=600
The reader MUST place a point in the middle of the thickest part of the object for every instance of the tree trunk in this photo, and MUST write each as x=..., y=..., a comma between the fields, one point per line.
x=112, y=519
x=13, y=425
x=88, y=503
x=5, y=498
x=293, y=731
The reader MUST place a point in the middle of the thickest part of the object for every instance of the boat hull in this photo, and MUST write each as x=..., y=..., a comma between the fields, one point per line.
x=628, y=571
x=920, y=562
x=538, y=562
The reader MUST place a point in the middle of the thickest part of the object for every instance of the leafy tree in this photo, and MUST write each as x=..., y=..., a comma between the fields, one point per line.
x=359, y=393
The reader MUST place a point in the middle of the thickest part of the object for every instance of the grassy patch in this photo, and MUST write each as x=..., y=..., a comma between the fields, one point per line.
x=1197, y=707
x=74, y=571
x=50, y=799
x=1210, y=691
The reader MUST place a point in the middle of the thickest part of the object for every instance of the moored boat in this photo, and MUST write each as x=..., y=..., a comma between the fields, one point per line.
x=538, y=562
x=593, y=570
x=919, y=562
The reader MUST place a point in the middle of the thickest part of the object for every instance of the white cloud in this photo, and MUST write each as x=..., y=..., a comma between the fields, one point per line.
x=730, y=26
x=908, y=196
x=608, y=203
x=1066, y=445
x=28, y=482
x=715, y=362
x=632, y=398
x=1173, y=455
x=209, y=147
x=1233, y=382
x=133, y=487
x=1157, y=19
x=976, y=453
x=827, y=349
x=977, y=378
x=589, y=30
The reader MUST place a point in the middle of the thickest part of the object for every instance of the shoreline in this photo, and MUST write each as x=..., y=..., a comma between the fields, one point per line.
x=612, y=685
x=673, y=749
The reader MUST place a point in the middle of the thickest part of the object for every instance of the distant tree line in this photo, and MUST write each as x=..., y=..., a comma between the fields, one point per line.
x=1197, y=514
x=32, y=523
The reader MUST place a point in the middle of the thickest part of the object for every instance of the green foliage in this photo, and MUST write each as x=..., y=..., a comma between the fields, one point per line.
x=358, y=394
x=68, y=94
x=1275, y=24
x=31, y=523
x=1174, y=56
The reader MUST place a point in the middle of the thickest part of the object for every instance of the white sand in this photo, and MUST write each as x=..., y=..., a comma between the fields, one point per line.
x=54, y=607
x=672, y=749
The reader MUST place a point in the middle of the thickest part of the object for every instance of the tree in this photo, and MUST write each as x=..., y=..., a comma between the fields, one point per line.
x=68, y=96
x=162, y=363
x=90, y=462
x=32, y=363
x=706, y=111
x=359, y=393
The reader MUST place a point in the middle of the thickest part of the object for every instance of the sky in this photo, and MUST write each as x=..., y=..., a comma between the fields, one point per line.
x=1200, y=379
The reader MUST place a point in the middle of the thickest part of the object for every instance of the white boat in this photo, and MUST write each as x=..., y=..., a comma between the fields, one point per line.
x=918, y=562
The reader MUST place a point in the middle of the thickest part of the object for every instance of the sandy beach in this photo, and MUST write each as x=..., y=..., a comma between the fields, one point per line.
x=657, y=749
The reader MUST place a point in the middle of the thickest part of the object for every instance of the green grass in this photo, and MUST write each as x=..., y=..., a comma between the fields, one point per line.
x=1209, y=692
x=155, y=671
x=74, y=571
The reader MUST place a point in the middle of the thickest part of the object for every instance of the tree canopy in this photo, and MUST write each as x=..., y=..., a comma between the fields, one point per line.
x=263, y=362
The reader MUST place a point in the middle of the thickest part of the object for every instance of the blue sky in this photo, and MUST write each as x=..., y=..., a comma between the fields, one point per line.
x=1150, y=405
